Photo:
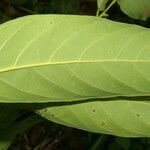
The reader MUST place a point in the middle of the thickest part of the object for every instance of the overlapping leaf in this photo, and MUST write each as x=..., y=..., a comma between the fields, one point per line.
x=139, y=9
x=117, y=117
x=92, y=62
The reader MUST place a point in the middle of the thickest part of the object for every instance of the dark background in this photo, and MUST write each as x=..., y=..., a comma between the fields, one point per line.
x=50, y=136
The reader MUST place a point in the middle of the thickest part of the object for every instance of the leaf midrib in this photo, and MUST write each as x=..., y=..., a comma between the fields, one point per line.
x=71, y=62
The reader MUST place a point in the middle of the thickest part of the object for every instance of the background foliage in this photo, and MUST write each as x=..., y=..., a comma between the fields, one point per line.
x=49, y=136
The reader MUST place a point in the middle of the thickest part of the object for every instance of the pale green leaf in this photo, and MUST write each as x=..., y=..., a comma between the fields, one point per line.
x=54, y=58
x=137, y=9
x=126, y=118
x=93, y=62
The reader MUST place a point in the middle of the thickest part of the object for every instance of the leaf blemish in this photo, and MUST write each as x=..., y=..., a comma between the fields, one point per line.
x=45, y=110
x=103, y=123
x=138, y=115
x=94, y=110
x=52, y=115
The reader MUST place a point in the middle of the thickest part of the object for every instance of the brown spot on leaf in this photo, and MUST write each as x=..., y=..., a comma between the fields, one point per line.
x=52, y=115
x=45, y=110
x=94, y=110
x=138, y=115
x=147, y=12
x=103, y=124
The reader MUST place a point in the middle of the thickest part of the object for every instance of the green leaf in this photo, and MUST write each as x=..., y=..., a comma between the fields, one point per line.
x=116, y=117
x=54, y=58
x=139, y=9
x=101, y=4
x=77, y=63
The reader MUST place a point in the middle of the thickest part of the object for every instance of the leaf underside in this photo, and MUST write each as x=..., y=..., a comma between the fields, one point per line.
x=96, y=71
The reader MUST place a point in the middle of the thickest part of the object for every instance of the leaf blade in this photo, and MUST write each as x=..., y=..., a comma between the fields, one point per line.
x=89, y=43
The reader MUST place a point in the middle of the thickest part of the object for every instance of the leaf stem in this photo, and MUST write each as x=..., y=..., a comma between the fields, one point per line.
x=99, y=9
x=110, y=5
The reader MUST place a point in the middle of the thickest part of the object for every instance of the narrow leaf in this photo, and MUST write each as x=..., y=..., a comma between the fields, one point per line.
x=117, y=117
